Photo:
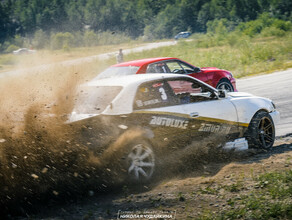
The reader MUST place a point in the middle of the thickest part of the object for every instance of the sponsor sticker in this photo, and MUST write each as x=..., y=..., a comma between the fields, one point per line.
x=215, y=128
x=157, y=85
x=140, y=103
x=169, y=122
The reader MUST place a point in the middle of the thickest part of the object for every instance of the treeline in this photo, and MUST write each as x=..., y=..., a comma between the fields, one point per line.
x=101, y=20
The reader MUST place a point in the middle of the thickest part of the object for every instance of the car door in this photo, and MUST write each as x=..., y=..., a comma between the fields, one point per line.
x=209, y=115
x=157, y=108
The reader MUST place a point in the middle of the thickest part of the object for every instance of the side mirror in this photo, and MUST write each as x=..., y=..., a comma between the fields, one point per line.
x=222, y=93
x=197, y=69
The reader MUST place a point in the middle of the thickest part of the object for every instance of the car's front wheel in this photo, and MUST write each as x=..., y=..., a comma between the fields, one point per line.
x=261, y=131
x=225, y=84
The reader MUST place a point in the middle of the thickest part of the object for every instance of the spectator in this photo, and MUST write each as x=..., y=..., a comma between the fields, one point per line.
x=120, y=56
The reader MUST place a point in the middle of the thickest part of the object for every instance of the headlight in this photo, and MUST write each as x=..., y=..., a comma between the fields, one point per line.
x=231, y=74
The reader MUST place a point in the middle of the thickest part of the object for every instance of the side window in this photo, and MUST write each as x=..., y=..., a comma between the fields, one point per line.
x=157, y=68
x=179, y=67
x=154, y=95
x=175, y=67
x=187, y=91
x=187, y=68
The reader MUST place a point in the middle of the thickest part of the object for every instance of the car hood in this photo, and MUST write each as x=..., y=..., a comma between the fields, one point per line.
x=210, y=69
x=247, y=96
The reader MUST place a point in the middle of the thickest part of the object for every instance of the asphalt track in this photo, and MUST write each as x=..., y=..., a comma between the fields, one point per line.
x=277, y=87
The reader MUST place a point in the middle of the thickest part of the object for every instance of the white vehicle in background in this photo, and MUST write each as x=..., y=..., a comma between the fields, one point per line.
x=170, y=111
x=23, y=51
x=180, y=35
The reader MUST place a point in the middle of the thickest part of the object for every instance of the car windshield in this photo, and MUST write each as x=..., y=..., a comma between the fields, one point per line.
x=95, y=99
x=118, y=71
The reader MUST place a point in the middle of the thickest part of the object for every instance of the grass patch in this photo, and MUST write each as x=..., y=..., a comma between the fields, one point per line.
x=241, y=55
x=270, y=198
x=237, y=53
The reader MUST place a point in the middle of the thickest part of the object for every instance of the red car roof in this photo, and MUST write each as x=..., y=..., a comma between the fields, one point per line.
x=144, y=61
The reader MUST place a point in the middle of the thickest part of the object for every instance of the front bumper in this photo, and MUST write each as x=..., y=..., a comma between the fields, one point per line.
x=233, y=82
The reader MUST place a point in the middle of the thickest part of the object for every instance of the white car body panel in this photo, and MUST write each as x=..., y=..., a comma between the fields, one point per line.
x=215, y=109
x=247, y=105
x=236, y=107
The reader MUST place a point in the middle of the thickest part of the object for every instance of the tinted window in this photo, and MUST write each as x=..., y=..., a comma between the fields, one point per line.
x=174, y=67
x=153, y=95
x=179, y=67
x=188, y=91
x=160, y=67
x=187, y=68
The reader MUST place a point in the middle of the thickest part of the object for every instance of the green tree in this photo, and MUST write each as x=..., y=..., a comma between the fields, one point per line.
x=4, y=24
x=75, y=13
x=61, y=40
x=154, y=18
x=40, y=39
x=90, y=39
x=204, y=16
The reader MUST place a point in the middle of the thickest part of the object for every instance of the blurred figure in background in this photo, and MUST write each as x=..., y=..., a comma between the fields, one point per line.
x=120, y=56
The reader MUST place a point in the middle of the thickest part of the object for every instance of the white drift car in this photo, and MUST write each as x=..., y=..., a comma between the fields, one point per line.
x=155, y=114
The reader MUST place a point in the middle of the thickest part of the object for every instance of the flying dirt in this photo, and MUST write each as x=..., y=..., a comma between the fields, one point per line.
x=37, y=155
x=41, y=160
x=41, y=157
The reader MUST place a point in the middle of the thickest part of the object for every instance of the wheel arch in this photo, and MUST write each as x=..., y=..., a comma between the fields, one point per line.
x=217, y=76
x=248, y=107
x=222, y=80
x=261, y=130
x=260, y=110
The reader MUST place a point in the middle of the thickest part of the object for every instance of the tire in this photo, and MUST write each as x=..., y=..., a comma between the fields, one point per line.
x=139, y=161
x=225, y=84
x=261, y=131
x=132, y=161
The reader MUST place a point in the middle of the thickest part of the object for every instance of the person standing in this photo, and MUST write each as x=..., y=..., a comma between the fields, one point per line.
x=120, y=56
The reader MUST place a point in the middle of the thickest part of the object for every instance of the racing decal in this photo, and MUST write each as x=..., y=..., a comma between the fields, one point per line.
x=144, y=89
x=140, y=103
x=157, y=85
x=206, y=119
x=163, y=94
x=223, y=121
x=169, y=122
x=214, y=128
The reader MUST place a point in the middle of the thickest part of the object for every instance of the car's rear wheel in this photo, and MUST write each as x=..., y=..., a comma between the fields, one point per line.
x=225, y=84
x=261, y=131
x=131, y=161
x=140, y=161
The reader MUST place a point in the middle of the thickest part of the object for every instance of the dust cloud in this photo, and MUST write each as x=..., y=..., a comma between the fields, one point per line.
x=39, y=158
x=42, y=161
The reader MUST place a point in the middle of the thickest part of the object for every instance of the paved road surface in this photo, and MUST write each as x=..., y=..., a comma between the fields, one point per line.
x=278, y=87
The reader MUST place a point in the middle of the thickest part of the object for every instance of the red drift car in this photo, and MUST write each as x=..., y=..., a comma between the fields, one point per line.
x=218, y=78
